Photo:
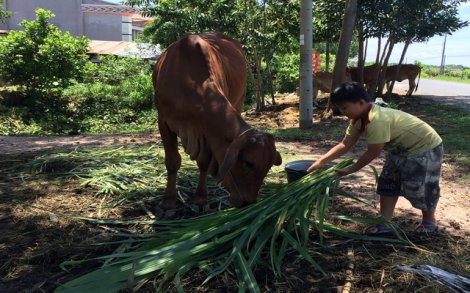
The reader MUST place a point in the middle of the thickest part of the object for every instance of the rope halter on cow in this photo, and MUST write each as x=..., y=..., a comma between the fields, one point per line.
x=251, y=128
x=234, y=182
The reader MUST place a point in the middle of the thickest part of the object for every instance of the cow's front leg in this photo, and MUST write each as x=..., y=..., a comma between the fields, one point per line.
x=200, y=197
x=172, y=163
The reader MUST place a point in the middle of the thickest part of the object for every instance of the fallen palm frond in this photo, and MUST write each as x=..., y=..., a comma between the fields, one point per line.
x=233, y=238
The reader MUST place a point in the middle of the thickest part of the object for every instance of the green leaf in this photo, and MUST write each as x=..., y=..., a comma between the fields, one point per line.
x=248, y=277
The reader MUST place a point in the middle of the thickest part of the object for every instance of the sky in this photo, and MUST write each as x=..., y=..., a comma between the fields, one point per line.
x=457, y=50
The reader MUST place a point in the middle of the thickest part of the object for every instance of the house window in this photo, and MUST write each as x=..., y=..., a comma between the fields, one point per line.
x=136, y=34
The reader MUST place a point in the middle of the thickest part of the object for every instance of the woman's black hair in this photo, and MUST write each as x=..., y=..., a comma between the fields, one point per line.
x=350, y=91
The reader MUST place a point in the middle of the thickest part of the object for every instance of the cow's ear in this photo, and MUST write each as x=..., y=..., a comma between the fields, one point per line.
x=277, y=158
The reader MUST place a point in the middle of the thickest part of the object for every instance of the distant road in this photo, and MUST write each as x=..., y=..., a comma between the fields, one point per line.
x=452, y=93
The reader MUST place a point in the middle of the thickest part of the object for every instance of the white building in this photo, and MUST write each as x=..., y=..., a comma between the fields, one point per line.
x=95, y=19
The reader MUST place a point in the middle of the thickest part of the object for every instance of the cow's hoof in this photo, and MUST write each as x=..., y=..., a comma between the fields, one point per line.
x=200, y=208
x=206, y=208
x=159, y=212
x=194, y=208
x=164, y=213
x=168, y=204
x=170, y=213
x=200, y=199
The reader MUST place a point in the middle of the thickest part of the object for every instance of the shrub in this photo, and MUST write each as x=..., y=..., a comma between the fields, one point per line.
x=103, y=107
x=467, y=73
x=104, y=103
x=431, y=71
x=454, y=73
x=323, y=62
x=113, y=69
x=286, y=72
x=41, y=58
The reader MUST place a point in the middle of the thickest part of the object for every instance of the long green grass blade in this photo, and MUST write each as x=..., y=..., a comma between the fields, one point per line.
x=248, y=277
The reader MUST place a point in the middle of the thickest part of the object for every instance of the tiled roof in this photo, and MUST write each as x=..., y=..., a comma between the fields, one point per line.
x=98, y=2
x=117, y=9
x=125, y=49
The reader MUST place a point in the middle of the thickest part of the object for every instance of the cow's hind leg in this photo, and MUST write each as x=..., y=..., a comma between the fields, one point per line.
x=172, y=163
x=412, y=85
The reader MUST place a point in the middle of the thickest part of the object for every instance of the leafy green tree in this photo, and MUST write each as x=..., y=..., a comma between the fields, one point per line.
x=406, y=21
x=264, y=28
x=41, y=58
x=4, y=14
x=327, y=18
x=175, y=18
x=434, y=18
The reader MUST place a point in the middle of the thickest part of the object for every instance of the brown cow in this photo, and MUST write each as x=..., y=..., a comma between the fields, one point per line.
x=323, y=81
x=407, y=71
x=370, y=74
x=199, y=86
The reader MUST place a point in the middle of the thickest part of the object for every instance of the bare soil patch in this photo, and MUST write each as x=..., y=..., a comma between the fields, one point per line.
x=37, y=231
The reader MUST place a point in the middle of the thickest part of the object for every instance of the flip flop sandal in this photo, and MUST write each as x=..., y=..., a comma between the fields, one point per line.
x=427, y=227
x=378, y=229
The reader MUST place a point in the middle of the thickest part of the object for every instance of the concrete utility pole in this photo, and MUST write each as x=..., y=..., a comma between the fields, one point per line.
x=306, y=76
x=441, y=71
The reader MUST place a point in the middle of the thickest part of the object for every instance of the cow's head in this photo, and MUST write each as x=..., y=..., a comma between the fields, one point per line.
x=247, y=161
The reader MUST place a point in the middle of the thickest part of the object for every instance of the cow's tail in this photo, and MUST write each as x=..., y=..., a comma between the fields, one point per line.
x=419, y=77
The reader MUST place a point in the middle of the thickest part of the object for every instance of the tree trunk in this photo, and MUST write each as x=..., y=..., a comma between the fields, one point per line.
x=379, y=47
x=270, y=82
x=372, y=88
x=258, y=82
x=343, y=49
x=403, y=53
x=361, y=55
x=365, y=50
x=383, y=70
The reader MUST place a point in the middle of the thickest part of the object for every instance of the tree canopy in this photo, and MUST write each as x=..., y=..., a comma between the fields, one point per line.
x=4, y=14
x=264, y=28
x=270, y=28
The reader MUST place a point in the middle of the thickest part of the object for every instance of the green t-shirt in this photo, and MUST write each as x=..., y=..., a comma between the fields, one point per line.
x=402, y=133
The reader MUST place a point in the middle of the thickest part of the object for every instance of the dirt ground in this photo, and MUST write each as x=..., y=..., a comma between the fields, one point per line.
x=25, y=217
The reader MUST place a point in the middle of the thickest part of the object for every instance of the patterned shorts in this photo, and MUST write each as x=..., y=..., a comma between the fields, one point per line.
x=415, y=177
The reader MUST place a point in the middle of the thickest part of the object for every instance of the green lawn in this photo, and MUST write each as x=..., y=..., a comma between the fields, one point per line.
x=450, y=78
x=452, y=124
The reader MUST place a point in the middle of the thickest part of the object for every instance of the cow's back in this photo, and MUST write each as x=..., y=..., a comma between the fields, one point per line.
x=406, y=71
x=228, y=66
x=199, y=84
x=194, y=66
